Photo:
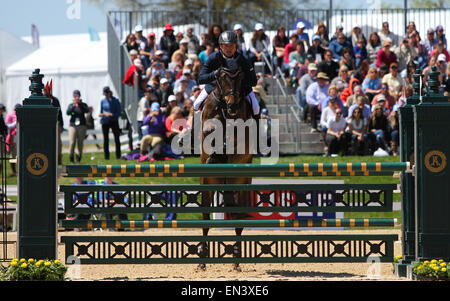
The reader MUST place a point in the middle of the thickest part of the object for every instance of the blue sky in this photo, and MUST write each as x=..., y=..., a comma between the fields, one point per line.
x=50, y=16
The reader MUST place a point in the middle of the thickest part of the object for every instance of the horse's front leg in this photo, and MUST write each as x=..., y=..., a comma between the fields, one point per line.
x=204, y=250
x=237, y=249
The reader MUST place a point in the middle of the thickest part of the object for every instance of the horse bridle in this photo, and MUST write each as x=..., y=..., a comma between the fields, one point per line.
x=221, y=102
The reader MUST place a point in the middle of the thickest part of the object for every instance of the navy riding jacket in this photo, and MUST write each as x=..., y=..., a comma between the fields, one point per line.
x=217, y=60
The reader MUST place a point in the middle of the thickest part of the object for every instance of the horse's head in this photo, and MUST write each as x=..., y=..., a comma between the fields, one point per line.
x=230, y=87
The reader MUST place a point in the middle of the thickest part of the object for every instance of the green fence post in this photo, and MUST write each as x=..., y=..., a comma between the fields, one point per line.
x=407, y=180
x=37, y=158
x=432, y=145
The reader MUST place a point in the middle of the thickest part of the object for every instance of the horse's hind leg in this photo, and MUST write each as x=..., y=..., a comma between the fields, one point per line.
x=237, y=250
x=204, y=252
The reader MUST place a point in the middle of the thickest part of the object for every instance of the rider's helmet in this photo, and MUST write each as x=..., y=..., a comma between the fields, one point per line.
x=228, y=37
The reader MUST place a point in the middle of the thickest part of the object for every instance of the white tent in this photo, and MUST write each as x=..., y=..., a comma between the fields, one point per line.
x=12, y=49
x=72, y=62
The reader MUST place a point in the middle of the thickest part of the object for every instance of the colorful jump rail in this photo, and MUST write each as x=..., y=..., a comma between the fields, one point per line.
x=186, y=198
x=241, y=170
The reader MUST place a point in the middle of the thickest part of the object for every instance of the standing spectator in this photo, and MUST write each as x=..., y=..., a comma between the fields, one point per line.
x=11, y=147
x=429, y=43
x=386, y=34
x=204, y=55
x=405, y=53
x=302, y=35
x=394, y=81
x=304, y=82
x=316, y=96
x=322, y=32
x=371, y=85
x=357, y=127
x=337, y=46
x=168, y=44
x=360, y=52
x=142, y=42
x=142, y=110
x=77, y=126
x=385, y=55
x=194, y=43
x=258, y=44
x=110, y=112
x=3, y=127
x=357, y=34
x=214, y=32
x=373, y=46
x=328, y=65
x=316, y=49
x=90, y=125
x=279, y=44
x=342, y=80
x=240, y=40
x=55, y=102
x=440, y=35
x=336, y=137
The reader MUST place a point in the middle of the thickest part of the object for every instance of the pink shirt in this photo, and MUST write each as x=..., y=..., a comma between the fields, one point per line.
x=11, y=118
x=287, y=50
x=383, y=58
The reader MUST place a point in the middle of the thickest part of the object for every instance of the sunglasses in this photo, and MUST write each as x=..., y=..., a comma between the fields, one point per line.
x=394, y=67
x=338, y=113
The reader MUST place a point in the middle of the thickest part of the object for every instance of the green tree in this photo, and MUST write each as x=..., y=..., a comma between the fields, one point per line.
x=429, y=4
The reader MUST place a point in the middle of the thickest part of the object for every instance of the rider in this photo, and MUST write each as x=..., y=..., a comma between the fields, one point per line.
x=228, y=57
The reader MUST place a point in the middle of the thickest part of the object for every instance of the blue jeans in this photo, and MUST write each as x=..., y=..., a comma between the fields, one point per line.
x=378, y=137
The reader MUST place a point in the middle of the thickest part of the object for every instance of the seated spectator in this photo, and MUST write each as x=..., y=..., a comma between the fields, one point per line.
x=186, y=80
x=133, y=54
x=130, y=43
x=371, y=84
x=304, y=82
x=172, y=103
x=242, y=47
x=357, y=128
x=328, y=112
x=334, y=95
x=347, y=60
x=301, y=70
x=175, y=124
x=405, y=53
x=378, y=128
x=372, y=47
x=360, y=52
x=156, y=68
x=432, y=62
x=411, y=27
x=203, y=40
x=347, y=92
x=415, y=42
x=447, y=82
x=357, y=92
x=381, y=100
x=394, y=127
x=279, y=43
x=148, y=49
x=357, y=34
x=196, y=68
x=176, y=66
x=183, y=48
x=297, y=57
x=302, y=35
x=361, y=72
x=322, y=32
x=440, y=48
x=165, y=90
x=258, y=44
x=316, y=49
x=181, y=94
x=407, y=93
x=337, y=46
x=383, y=70
x=328, y=65
x=316, y=97
x=153, y=141
x=384, y=92
x=361, y=104
x=142, y=110
x=385, y=55
x=188, y=104
x=429, y=43
x=339, y=30
x=207, y=52
x=178, y=37
x=386, y=34
x=441, y=65
x=342, y=80
x=440, y=35
x=394, y=81
x=336, y=137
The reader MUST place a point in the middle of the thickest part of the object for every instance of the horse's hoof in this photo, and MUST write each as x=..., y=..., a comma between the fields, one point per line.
x=201, y=267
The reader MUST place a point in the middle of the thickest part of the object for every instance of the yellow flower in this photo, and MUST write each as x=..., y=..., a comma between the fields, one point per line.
x=399, y=256
x=24, y=265
x=14, y=263
x=435, y=268
x=38, y=264
x=419, y=267
x=441, y=260
x=442, y=264
x=15, y=259
x=31, y=260
x=47, y=263
x=57, y=261
x=434, y=261
x=22, y=260
x=426, y=262
x=444, y=270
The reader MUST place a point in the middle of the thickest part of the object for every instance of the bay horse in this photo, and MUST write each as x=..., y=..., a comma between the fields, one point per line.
x=226, y=101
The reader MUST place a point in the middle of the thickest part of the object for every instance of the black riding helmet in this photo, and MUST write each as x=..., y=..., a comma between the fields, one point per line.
x=228, y=37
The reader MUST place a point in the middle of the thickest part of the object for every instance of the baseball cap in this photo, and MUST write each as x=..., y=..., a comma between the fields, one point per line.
x=106, y=90
x=138, y=28
x=159, y=52
x=186, y=71
x=315, y=37
x=155, y=107
x=312, y=66
x=430, y=30
x=133, y=52
x=76, y=92
x=237, y=27
x=439, y=27
x=152, y=34
x=381, y=97
x=323, y=75
x=163, y=81
x=300, y=25
x=184, y=40
x=259, y=26
x=172, y=98
x=387, y=42
x=188, y=62
x=442, y=58
x=183, y=78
